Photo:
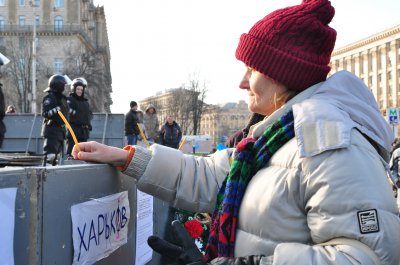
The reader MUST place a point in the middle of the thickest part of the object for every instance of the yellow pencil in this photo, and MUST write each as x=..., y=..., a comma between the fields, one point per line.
x=143, y=136
x=182, y=143
x=69, y=129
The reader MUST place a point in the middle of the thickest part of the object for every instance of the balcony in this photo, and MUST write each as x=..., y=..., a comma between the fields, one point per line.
x=46, y=29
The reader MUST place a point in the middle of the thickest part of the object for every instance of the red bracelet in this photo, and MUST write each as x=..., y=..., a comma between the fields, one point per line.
x=131, y=150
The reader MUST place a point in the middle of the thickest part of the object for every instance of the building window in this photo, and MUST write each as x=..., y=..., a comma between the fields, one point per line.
x=379, y=59
x=37, y=3
x=22, y=42
x=58, y=65
x=2, y=2
x=21, y=2
x=370, y=62
x=21, y=21
x=58, y=24
x=2, y=23
x=58, y=3
x=37, y=21
x=21, y=86
x=37, y=42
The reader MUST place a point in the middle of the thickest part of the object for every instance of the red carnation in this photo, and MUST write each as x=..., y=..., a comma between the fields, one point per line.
x=194, y=228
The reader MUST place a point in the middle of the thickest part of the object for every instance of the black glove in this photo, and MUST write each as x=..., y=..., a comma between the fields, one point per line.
x=186, y=254
x=249, y=260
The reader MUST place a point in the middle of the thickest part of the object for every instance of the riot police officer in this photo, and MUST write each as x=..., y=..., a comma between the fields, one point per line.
x=2, y=111
x=80, y=115
x=53, y=129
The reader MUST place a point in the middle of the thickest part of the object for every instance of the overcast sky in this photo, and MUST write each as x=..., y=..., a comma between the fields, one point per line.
x=159, y=44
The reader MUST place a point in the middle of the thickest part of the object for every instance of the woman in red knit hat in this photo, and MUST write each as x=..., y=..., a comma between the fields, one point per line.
x=309, y=183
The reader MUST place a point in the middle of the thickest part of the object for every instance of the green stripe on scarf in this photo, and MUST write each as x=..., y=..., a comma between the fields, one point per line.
x=251, y=155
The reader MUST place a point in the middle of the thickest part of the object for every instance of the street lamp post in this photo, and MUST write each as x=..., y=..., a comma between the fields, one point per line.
x=33, y=74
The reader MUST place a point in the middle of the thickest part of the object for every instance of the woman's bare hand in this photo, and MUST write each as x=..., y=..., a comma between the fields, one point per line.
x=100, y=153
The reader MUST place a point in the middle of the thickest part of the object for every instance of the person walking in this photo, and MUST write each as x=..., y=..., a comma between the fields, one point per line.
x=80, y=115
x=3, y=129
x=3, y=60
x=53, y=128
x=308, y=185
x=131, y=124
x=151, y=123
x=171, y=133
x=394, y=168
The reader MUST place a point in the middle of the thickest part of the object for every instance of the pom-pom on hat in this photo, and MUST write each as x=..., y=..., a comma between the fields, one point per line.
x=292, y=45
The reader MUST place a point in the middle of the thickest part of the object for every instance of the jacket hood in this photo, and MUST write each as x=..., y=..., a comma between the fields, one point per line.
x=149, y=107
x=329, y=110
x=345, y=98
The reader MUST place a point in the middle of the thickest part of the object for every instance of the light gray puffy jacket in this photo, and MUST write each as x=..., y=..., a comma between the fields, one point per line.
x=327, y=182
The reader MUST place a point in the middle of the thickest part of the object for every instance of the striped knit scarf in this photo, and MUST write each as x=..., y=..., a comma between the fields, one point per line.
x=251, y=155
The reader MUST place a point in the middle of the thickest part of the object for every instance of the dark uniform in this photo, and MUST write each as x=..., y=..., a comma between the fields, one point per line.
x=80, y=114
x=53, y=129
x=2, y=114
x=2, y=111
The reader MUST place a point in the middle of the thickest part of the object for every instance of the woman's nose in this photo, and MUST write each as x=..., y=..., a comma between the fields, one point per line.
x=244, y=83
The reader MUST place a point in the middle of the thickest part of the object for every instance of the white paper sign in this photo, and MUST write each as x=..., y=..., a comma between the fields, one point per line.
x=7, y=210
x=144, y=227
x=99, y=227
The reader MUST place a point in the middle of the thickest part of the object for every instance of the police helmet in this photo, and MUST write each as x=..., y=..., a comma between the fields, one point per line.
x=56, y=83
x=80, y=81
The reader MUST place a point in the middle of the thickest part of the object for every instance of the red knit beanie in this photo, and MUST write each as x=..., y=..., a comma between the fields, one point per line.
x=292, y=45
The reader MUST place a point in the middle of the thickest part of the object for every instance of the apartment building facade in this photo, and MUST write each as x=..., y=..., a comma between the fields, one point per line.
x=218, y=121
x=70, y=39
x=376, y=61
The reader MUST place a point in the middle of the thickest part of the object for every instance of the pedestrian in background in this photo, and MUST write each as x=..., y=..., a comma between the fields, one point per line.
x=151, y=123
x=53, y=128
x=80, y=115
x=2, y=114
x=131, y=124
x=2, y=105
x=308, y=185
x=394, y=168
x=171, y=133
x=11, y=109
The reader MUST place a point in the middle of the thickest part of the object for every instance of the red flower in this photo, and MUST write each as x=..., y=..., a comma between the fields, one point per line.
x=194, y=228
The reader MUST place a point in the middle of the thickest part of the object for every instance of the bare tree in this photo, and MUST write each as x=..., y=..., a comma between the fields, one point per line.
x=187, y=105
x=19, y=71
x=85, y=63
x=176, y=107
x=197, y=95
